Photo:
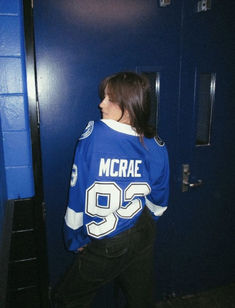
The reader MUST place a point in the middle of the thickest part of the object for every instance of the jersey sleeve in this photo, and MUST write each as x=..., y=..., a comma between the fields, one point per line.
x=75, y=234
x=74, y=231
x=157, y=200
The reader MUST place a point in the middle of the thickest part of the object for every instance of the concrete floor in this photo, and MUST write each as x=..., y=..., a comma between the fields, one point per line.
x=223, y=297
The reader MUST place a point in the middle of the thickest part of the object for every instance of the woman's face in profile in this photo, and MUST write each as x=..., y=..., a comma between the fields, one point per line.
x=111, y=110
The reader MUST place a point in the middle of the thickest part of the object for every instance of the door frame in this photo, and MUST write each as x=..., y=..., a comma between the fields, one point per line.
x=33, y=105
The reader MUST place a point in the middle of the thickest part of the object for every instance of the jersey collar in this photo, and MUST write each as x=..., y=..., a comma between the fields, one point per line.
x=120, y=127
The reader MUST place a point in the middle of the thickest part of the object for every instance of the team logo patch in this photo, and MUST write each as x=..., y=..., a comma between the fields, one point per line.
x=159, y=141
x=88, y=130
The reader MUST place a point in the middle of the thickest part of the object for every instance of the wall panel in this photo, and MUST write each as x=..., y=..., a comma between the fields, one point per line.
x=13, y=103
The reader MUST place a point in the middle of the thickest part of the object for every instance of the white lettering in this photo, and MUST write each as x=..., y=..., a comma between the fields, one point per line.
x=120, y=167
x=137, y=163
x=112, y=172
x=104, y=167
x=74, y=175
x=130, y=171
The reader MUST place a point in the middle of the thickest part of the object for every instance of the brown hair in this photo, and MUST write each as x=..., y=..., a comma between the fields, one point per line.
x=131, y=91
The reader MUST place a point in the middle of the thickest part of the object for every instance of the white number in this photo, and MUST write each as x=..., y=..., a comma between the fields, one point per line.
x=112, y=208
x=134, y=206
x=74, y=176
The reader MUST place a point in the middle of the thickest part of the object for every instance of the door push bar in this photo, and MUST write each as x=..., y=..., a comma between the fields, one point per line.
x=185, y=182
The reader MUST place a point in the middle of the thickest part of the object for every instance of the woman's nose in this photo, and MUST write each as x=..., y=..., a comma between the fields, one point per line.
x=101, y=103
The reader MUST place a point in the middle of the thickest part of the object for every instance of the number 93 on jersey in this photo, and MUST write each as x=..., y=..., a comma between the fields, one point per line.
x=107, y=201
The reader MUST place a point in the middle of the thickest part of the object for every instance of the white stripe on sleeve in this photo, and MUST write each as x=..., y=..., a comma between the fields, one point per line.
x=155, y=209
x=73, y=219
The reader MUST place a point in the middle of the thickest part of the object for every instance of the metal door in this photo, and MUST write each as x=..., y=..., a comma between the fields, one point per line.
x=204, y=250
x=80, y=42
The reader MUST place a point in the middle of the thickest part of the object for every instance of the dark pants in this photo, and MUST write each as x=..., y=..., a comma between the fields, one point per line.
x=127, y=258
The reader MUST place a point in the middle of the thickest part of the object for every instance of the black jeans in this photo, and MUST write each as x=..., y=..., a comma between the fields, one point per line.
x=127, y=258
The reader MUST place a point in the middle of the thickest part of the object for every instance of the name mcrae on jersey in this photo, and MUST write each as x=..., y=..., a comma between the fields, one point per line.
x=120, y=167
x=114, y=176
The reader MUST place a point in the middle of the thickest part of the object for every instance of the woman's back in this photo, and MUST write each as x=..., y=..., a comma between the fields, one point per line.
x=119, y=173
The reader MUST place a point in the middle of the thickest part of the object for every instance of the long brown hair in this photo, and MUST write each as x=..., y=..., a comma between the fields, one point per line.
x=131, y=91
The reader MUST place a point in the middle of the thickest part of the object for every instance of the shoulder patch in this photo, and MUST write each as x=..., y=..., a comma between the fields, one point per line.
x=88, y=130
x=159, y=141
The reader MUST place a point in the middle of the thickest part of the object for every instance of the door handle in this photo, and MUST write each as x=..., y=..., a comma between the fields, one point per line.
x=185, y=182
x=198, y=183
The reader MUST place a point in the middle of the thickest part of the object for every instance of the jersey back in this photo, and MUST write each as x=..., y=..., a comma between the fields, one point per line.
x=114, y=176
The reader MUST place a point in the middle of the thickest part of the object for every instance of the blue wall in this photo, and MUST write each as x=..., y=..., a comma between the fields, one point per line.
x=13, y=103
x=2, y=186
x=16, y=175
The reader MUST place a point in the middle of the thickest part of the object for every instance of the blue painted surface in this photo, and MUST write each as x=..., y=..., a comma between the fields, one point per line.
x=14, y=115
x=3, y=189
x=10, y=7
x=80, y=42
x=16, y=148
x=11, y=75
x=17, y=177
x=77, y=45
x=15, y=129
x=204, y=252
x=10, y=35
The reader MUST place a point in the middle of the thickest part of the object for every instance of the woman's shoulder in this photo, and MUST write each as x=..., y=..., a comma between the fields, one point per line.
x=156, y=148
x=88, y=130
x=159, y=141
x=92, y=129
x=155, y=143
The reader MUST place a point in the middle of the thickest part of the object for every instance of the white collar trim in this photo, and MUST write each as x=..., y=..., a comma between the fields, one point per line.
x=120, y=127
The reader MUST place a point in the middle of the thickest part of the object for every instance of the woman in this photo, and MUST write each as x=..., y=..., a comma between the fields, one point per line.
x=119, y=183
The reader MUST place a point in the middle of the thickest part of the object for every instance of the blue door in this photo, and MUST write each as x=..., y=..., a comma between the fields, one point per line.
x=80, y=42
x=202, y=208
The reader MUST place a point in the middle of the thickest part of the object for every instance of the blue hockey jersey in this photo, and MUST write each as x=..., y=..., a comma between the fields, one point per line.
x=114, y=176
